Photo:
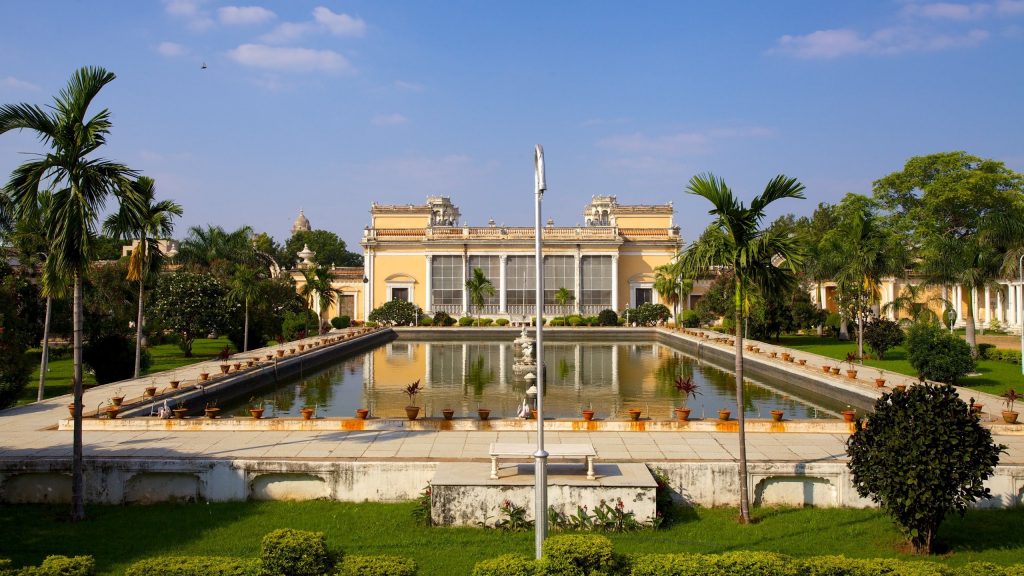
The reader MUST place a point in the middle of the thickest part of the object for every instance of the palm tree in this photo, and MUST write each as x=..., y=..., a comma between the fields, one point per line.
x=736, y=242
x=154, y=220
x=245, y=287
x=212, y=248
x=915, y=302
x=318, y=289
x=564, y=296
x=479, y=287
x=670, y=285
x=80, y=185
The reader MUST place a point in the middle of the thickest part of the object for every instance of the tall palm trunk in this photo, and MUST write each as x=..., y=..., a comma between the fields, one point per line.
x=969, y=327
x=44, y=360
x=245, y=337
x=77, y=472
x=860, y=334
x=138, y=335
x=744, y=497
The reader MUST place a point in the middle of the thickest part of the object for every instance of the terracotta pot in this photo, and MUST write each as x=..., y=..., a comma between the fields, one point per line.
x=212, y=413
x=71, y=409
x=224, y=368
x=723, y=415
x=588, y=415
x=280, y=353
x=851, y=374
x=448, y=413
x=879, y=382
x=772, y=354
x=682, y=414
x=849, y=415
x=835, y=371
x=786, y=356
x=112, y=411
x=634, y=414
x=174, y=384
x=976, y=408
x=749, y=348
x=249, y=363
x=237, y=366
x=291, y=350
x=757, y=349
x=180, y=413
x=307, y=413
x=150, y=391
x=483, y=413
x=1009, y=417
x=533, y=414
x=801, y=361
x=116, y=400
x=777, y=415
x=903, y=388
x=257, y=413
x=269, y=357
x=362, y=413
x=302, y=347
x=203, y=376
x=826, y=369
x=412, y=411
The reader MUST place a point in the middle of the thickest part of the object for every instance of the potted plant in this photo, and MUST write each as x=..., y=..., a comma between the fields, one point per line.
x=483, y=413
x=71, y=409
x=851, y=372
x=307, y=412
x=773, y=354
x=174, y=384
x=250, y=362
x=204, y=376
x=777, y=415
x=1009, y=397
x=687, y=388
x=849, y=415
x=880, y=380
x=180, y=410
x=224, y=368
x=112, y=411
x=211, y=410
x=150, y=391
x=117, y=398
x=835, y=370
x=826, y=368
x=723, y=414
x=362, y=413
x=224, y=353
x=302, y=347
x=588, y=414
x=237, y=366
x=256, y=408
x=412, y=410
x=280, y=352
x=634, y=414
x=802, y=361
x=787, y=357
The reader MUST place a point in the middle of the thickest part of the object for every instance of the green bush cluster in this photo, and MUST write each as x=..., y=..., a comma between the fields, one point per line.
x=689, y=319
x=990, y=352
x=501, y=322
x=426, y=321
x=575, y=320
x=396, y=313
x=112, y=358
x=466, y=321
x=383, y=565
x=289, y=552
x=195, y=566
x=341, y=322
x=506, y=565
x=443, y=319
x=53, y=566
x=647, y=314
x=607, y=318
x=937, y=354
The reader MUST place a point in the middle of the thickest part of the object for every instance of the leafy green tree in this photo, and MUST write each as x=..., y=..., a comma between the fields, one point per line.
x=17, y=297
x=922, y=457
x=80, y=185
x=479, y=287
x=882, y=334
x=817, y=268
x=191, y=304
x=396, y=313
x=965, y=212
x=245, y=287
x=147, y=223
x=212, y=249
x=671, y=286
x=330, y=249
x=937, y=354
x=736, y=242
x=319, y=291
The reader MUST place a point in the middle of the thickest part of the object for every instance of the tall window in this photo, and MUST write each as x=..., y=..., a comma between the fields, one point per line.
x=520, y=281
x=597, y=281
x=491, y=267
x=446, y=281
x=559, y=272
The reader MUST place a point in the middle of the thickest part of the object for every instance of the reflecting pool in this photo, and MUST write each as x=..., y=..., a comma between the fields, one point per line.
x=609, y=378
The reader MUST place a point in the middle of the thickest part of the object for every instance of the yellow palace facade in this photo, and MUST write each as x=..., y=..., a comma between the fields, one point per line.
x=422, y=254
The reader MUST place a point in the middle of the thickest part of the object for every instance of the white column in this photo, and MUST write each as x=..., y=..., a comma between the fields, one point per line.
x=615, y=282
x=1000, y=315
x=502, y=284
x=988, y=306
x=892, y=297
x=1017, y=304
x=428, y=297
x=577, y=284
x=368, y=286
x=465, y=276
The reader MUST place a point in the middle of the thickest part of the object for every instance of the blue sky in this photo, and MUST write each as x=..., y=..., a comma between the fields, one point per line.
x=329, y=106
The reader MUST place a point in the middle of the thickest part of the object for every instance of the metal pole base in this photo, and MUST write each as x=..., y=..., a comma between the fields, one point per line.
x=540, y=498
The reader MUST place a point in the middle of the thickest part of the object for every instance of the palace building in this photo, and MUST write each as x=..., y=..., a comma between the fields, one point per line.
x=423, y=254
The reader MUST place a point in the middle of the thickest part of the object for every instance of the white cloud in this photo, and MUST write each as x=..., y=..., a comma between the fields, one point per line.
x=605, y=121
x=1010, y=7
x=18, y=84
x=244, y=15
x=408, y=86
x=825, y=44
x=324, y=21
x=171, y=49
x=290, y=59
x=191, y=11
x=339, y=24
x=679, y=143
x=948, y=11
x=389, y=119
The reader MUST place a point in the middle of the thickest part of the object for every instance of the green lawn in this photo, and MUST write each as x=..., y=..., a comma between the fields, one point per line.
x=994, y=377
x=164, y=357
x=118, y=535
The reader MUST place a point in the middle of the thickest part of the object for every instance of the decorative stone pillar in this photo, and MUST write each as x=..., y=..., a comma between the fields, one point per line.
x=988, y=306
x=578, y=282
x=465, y=276
x=368, y=286
x=428, y=281
x=615, y=282
x=502, y=284
x=1000, y=314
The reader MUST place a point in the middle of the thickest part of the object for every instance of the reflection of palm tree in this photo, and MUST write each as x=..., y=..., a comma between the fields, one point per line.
x=672, y=367
x=564, y=369
x=479, y=374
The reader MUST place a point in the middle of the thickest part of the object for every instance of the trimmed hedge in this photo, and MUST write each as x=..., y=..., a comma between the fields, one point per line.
x=61, y=566
x=383, y=565
x=506, y=565
x=501, y=322
x=195, y=566
x=771, y=564
x=572, y=554
x=288, y=552
x=341, y=322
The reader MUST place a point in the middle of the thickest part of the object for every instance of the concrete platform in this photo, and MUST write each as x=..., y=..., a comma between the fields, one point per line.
x=462, y=493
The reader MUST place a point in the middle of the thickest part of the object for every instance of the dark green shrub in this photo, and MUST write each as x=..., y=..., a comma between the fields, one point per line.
x=607, y=318
x=195, y=566
x=371, y=324
x=297, y=325
x=506, y=565
x=984, y=351
x=556, y=322
x=648, y=314
x=426, y=321
x=383, y=565
x=922, y=456
x=396, y=313
x=442, y=318
x=832, y=323
x=574, y=321
x=112, y=357
x=466, y=321
x=484, y=321
x=501, y=322
x=937, y=354
x=18, y=301
x=989, y=569
x=62, y=566
x=341, y=322
x=288, y=552
x=689, y=319
x=882, y=334
x=578, y=554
